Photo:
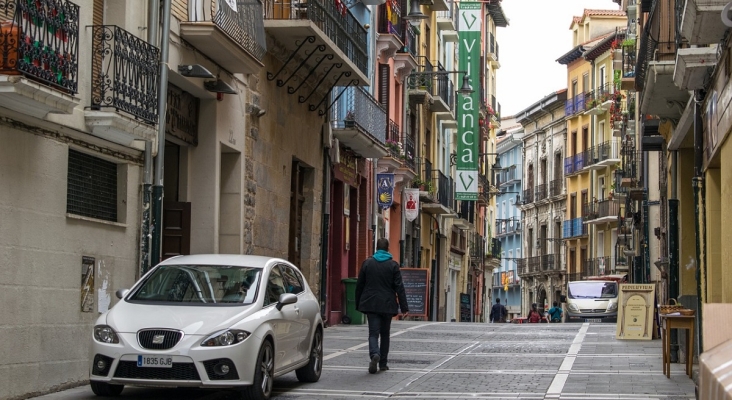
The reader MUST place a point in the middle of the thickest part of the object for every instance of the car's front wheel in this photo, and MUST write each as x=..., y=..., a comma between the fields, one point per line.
x=261, y=388
x=311, y=371
x=106, y=389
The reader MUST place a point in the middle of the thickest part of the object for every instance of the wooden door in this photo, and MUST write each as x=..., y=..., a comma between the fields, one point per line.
x=297, y=199
x=176, y=229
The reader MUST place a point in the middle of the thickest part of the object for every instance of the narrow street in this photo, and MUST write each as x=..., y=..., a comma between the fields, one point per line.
x=476, y=361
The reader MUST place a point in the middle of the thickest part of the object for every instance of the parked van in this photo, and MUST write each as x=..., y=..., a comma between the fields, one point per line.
x=594, y=299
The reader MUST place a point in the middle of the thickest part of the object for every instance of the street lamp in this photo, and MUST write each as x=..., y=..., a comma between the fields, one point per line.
x=415, y=12
x=465, y=89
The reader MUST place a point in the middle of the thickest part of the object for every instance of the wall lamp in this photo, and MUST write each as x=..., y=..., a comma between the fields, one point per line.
x=465, y=89
x=415, y=12
x=195, y=71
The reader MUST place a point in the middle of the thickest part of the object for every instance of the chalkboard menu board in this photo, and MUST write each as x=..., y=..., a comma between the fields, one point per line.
x=464, y=307
x=416, y=285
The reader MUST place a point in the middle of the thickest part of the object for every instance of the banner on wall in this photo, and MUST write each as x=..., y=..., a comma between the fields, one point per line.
x=411, y=204
x=466, y=182
x=384, y=190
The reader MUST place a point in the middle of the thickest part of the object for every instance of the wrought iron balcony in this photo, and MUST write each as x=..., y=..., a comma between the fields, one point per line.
x=338, y=38
x=394, y=140
x=477, y=248
x=604, y=154
x=509, y=175
x=40, y=42
x=555, y=187
x=445, y=193
x=123, y=106
x=358, y=121
x=569, y=165
x=390, y=28
x=599, y=100
x=484, y=189
x=601, y=211
x=493, y=51
x=410, y=152
x=507, y=226
x=231, y=34
x=124, y=73
x=572, y=228
x=598, y=266
x=541, y=192
x=495, y=248
x=579, y=162
x=447, y=20
x=528, y=196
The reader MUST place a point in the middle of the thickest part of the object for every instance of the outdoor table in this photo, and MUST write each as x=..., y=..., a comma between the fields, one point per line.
x=677, y=322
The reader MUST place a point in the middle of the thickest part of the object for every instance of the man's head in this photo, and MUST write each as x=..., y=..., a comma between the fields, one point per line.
x=382, y=244
x=498, y=301
x=556, y=304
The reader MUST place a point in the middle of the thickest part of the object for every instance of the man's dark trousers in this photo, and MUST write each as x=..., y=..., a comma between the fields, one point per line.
x=379, y=324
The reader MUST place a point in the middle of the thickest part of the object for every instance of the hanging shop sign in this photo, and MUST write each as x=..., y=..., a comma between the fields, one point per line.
x=411, y=204
x=385, y=190
x=468, y=106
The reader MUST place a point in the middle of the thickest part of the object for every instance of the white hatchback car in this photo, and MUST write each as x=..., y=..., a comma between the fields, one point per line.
x=210, y=321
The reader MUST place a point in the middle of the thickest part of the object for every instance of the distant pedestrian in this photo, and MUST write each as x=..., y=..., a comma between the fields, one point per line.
x=498, y=312
x=534, y=315
x=379, y=284
x=555, y=313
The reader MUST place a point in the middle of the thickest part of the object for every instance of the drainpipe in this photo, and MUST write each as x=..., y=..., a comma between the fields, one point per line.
x=325, y=235
x=157, y=192
x=153, y=18
x=405, y=131
x=672, y=279
x=699, y=210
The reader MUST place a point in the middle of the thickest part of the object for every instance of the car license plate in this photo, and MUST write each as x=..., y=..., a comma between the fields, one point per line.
x=155, y=361
x=593, y=319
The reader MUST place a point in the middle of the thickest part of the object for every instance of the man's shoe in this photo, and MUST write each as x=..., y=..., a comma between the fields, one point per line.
x=383, y=368
x=372, y=365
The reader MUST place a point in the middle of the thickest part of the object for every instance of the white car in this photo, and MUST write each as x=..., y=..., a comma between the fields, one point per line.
x=210, y=321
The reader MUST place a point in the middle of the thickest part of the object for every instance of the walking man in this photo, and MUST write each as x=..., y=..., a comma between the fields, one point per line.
x=498, y=312
x=379, y=284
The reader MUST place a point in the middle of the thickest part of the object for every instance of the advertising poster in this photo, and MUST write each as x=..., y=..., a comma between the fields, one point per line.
x=635, y=311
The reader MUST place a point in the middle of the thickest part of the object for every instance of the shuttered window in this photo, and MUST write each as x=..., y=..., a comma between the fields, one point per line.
x=384, y=79
x=91, y=187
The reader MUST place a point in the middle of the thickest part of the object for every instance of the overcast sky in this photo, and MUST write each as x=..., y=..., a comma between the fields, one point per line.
x=537, y=34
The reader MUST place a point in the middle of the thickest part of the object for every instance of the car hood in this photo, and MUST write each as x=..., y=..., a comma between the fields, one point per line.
x=128, y=317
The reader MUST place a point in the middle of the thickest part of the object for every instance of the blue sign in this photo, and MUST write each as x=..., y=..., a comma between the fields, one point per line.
x=385, y=190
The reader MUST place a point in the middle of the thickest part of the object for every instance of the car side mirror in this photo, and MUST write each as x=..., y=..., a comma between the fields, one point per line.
x=121, y=293
x=285, y=299
x=563, y=298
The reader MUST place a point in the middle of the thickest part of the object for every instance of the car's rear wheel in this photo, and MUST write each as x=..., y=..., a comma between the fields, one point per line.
x=261, y=389
x=311, y=371
x=106, y=389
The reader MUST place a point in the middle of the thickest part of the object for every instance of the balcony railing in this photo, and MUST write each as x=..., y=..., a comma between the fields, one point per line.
x=600, y=209
x=40, y=40
x=579, y=162
x=245, y=25
x=509, y=175
x=394, y=140
x=528, y=196
x=124, y=73
x=410, y=40
x=507, y=226
x=569, y=165
x=410, y=152
x=477, y=248
x=444, y=190
x=573, y=228
x=333, y=19
x=466, y=210
x=555, y=187
x=366, y=111
x=541, y=192
x=599, y=96
x=495, y=250
x=598, y=266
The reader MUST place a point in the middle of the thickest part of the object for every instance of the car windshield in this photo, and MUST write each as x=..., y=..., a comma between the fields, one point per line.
x=200, y=284
x=593, y=290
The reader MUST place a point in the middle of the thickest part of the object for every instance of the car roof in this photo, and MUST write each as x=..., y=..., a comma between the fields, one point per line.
x=223, y=259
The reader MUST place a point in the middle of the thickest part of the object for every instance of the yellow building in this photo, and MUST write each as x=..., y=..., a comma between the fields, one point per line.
x=586, y=134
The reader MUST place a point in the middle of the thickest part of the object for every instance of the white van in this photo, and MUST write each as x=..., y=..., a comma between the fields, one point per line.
x=592, y=301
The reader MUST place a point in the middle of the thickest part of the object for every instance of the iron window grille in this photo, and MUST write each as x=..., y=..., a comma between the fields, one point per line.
x=91, y=187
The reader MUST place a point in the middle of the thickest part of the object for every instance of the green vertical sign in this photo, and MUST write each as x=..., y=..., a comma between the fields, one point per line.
x=468, y=107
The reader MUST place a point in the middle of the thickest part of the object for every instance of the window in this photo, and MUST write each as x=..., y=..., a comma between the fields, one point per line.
x=275, y=287
x=293, y=282
x=91, y=187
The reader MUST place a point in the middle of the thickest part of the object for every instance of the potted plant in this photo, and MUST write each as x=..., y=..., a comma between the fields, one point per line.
x=395, y=148
x=350, y=119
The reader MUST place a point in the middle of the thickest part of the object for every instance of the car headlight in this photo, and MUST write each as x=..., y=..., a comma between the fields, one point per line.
x=105, y=334
x=225, y=338
x=572, y=307
x=612, y=306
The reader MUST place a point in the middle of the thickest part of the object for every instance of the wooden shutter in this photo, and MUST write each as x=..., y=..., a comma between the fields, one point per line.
x=384, y=80
x=98, y=9
x=179, y=9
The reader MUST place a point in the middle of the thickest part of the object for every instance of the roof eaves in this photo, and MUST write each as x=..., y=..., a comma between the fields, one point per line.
x=571, y=55
x=496, y=11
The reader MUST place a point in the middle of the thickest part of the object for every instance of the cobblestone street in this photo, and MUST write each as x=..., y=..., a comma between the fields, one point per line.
x=477, y=361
